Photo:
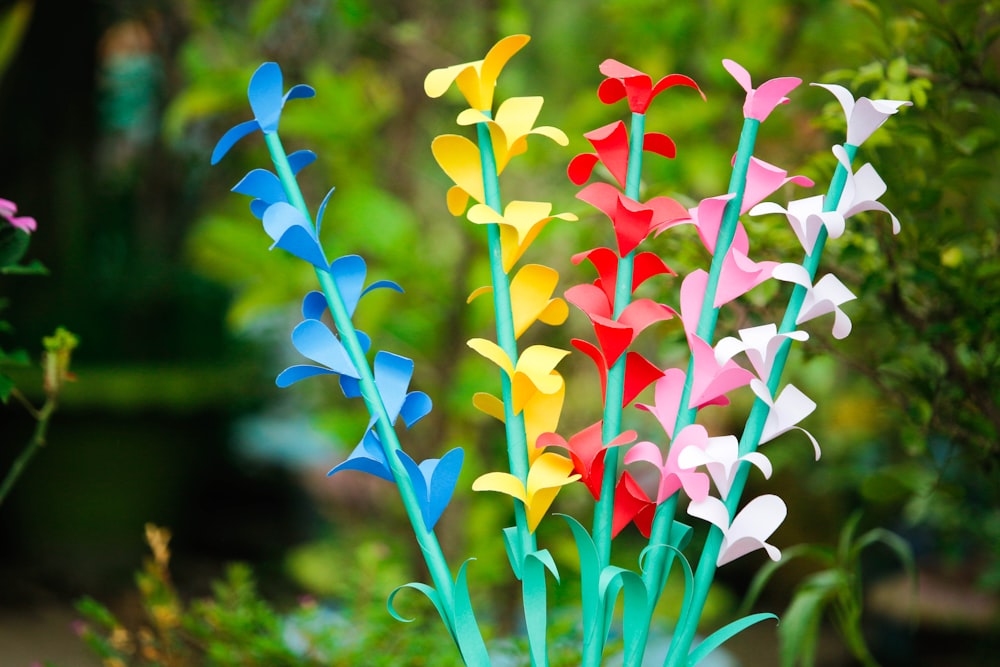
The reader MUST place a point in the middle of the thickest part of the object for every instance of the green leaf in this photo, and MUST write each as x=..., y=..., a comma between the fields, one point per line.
x=467, y=634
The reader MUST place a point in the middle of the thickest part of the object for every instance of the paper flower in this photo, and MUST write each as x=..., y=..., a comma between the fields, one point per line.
x=541, y=415
x=314, y=340
x=632, y=504
x=433, y=482
x=535, y=371
x=265, y=187
x=721, y=457
x=547, y=475
x=612, y=145
x=266, y=101
x=8, y=211
x=862, y=190
x=673, y=474
x=761, y=101
x=513, y=123
x=864, y=116
x=806, y=217
x=586, y=448
x=392, y=374
x=476, y=80
x=712, y=380
x=791, y=407
x=292, y=232
x=349, y=274
x=639, y=371
x=826, y=296
x=632, y=221
x=531, y=298
x=624, y=81
x=749, y=530
x=645, y=265
x=520, y=224
x=760, y=344
x=368, y=457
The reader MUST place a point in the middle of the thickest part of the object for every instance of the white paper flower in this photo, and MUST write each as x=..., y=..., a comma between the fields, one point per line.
x=806, y=217
x=864, y=116
x=760, y=344
x=749, y=530
x=862, y=190
x=826, y=296
x=787, y=410
x=721, y=457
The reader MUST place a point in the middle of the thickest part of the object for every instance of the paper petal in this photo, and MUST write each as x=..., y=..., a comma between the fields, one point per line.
x=315, y=341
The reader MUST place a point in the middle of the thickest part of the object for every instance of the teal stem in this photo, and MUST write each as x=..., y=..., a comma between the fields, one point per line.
x=750, y=440
x=429, y=545
x=604, y=510
x=661, y=559
x=517, y=439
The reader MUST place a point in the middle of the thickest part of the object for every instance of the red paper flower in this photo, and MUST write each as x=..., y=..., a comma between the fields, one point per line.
x=624, y=81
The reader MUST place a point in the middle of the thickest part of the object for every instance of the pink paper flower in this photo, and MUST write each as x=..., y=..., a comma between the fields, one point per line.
x=673, y=476
x=625, y=81
x=8, y=211
x=762, y=100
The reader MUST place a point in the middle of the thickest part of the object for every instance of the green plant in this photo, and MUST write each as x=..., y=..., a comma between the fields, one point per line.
x=836, y=590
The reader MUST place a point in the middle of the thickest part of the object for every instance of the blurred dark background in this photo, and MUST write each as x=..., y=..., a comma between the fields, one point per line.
x=109, y=111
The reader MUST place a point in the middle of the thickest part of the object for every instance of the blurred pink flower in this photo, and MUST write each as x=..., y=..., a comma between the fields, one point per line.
x=8, y=209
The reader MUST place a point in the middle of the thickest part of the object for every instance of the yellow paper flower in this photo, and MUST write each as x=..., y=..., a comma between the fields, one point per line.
x=541, y=415
x=547, y=475
x=535, y=371
x=459, y=158
x=520, y=225
x=477, y=80
x=531, y=298
x=509, y=130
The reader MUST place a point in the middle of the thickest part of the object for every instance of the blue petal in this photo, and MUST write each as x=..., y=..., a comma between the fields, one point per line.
x=299, y=160
x=322, y=209
x=315, y=341
x=261, y=184
x=265, y=96
x=416, y=406
x=419, y=483
x=380, y=284
x=280, y=216
x=298, y=241
x=313, y=305
x=349, y=273
x=298, y=92
x=350, y=386
x=293, y=374
x=231, y=137
x=258, y=208
x=443, y=481
x=392, y=378
x=367, y=457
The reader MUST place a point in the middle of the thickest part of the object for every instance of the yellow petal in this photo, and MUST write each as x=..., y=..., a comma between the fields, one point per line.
x=531, y=296
x=541, y=415
x=539, y=362
x=492, y=351
x=459, y=158
x=479, y=291
x=493, y=63
x=501, y=482
x=492, y=406
x=548, y=474
x=458, y=199
x=437, y=81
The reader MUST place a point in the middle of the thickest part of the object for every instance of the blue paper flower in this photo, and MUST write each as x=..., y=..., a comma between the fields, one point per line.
x=434, y=482
x=267, y=101
x=367, y=457
x=265, y=187
x=392, y=374
x=316, y=342
x=292, y=231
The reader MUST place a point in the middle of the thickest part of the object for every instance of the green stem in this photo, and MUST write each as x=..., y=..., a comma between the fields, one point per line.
x=750, y=440
x=604, y=510
x=434, y=557
x=661, y=559
x=36, y=442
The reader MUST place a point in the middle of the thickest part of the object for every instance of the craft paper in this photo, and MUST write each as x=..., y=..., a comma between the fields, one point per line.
x=864, y=116
x=791, y=407
x=513, y=123
x=711, y=380
x=369, y=457
x=721, y=457
x=535, y=370
x=739, y=275
x=547, y=475
x=666, y=399
x=541, y=415
x=862, y=190
x=765, y=179
x=266, y=101
x=392, y=374
x=625, y=82
x=433, y=481
x=520, y=224
x=748, y=530
x=612, y=145
x=476, y=80
x=760, y=344
x=632, y=220
x=293, y=232
x=315, y=341
x=632, y=505
x=8, y=211
x=639, y=371
x=265, y=187
x=806, y=218
x=586, y=448
x=605, y=262
x=673, y=475
x=761, y=101
x=824, y=297
x=349, y=274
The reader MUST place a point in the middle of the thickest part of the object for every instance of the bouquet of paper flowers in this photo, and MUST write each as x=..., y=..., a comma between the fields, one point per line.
x=701, y=475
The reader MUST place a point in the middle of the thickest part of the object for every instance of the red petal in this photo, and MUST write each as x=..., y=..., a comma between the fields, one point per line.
x=581, y=167
x=659, y=143
x=639, y=374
